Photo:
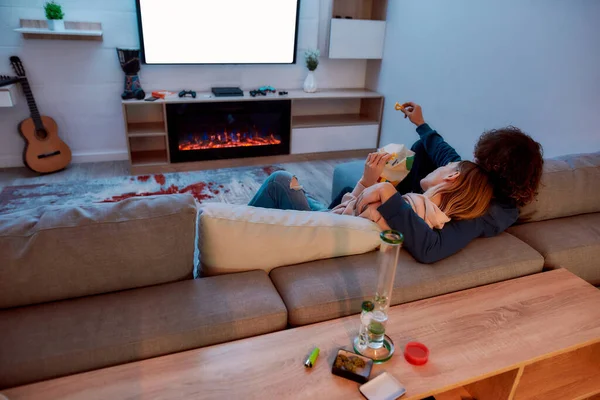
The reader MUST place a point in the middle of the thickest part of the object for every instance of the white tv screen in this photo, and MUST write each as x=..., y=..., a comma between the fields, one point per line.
x=218, y=31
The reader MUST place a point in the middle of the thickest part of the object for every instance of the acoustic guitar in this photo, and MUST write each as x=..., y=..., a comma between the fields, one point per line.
x=44, y=151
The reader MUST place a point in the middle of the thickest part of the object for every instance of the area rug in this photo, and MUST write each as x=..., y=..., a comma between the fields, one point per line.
x=232, y=185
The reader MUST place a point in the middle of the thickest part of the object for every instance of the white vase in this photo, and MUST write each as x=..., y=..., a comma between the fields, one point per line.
x=310, y=83
x=56, y=24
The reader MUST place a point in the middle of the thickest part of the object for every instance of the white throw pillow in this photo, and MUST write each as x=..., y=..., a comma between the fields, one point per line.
x=237, y=238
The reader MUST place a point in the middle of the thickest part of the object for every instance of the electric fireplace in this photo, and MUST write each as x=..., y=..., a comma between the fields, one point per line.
x=212, y=131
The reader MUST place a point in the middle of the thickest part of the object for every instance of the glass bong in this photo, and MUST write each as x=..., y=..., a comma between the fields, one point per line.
x=372, y=341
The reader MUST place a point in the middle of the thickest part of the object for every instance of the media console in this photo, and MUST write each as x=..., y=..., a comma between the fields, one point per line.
x=167, y=134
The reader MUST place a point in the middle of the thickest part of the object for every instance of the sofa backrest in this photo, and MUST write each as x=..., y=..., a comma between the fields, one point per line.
x=60, y=252
x=570, y=186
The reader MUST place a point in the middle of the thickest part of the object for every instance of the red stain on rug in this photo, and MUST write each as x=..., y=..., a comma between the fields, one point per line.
x=160, y=179
x=170, y=190
x=205, y=186
x=196, y=190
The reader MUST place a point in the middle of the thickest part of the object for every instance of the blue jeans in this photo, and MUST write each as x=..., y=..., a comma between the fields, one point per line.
x=279, y=192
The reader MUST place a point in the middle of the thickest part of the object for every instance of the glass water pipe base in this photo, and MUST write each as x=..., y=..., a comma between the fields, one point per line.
x=379, y=355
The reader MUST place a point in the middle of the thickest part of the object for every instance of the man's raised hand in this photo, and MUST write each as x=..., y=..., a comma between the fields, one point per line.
x=414, y=112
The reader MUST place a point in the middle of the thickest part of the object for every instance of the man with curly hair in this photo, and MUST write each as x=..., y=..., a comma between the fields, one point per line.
x=513, y=161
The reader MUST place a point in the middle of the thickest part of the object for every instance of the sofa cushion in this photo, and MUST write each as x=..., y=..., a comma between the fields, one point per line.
x=71, y=336
x=242, y=238
x=570, y=186
x=327, y=289
x=572, y=243
x=55, y=253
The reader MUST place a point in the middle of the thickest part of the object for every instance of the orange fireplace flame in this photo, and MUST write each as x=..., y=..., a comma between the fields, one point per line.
x=226, y=140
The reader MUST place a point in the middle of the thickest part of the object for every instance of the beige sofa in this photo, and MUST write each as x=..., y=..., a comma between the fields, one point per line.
x=563, y=224
x=83, y=288
x=560, y=229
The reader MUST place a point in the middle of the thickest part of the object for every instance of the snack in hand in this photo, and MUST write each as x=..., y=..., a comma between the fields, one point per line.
x=393, y=159
x=399, y=164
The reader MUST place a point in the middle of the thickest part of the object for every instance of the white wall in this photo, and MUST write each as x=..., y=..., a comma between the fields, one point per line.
x=476, y=65
x=78, y=83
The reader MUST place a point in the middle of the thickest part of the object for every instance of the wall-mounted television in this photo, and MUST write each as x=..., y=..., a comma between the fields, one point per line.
x=218, y=31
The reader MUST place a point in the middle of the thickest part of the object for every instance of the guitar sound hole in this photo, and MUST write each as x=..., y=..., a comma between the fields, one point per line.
x=41, y=134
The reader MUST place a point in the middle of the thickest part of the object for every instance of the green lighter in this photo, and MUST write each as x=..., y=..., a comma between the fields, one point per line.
x=310, y=361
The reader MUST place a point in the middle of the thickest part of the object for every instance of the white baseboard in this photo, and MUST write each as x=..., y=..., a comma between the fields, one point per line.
x=10, y=161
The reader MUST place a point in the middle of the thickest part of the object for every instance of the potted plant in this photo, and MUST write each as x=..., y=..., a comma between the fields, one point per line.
x=312, y=62
x=54, y=15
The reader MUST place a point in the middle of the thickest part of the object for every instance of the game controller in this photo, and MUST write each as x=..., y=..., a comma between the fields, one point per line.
x=183, y=93
x=263, y=90
x=267, y=89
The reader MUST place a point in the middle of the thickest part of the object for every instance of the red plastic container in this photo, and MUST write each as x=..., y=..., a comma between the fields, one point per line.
x=416, y=353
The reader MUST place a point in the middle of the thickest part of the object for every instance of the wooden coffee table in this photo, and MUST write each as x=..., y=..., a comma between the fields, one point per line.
x=536, y=337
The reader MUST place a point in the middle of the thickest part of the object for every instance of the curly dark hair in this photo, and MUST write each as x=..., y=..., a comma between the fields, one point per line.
x=513, y=161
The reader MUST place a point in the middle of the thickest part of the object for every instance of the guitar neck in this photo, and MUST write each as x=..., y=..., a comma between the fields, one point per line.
x=33, y=110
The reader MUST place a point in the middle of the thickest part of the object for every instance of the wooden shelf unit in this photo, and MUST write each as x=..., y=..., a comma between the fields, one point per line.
x=348, y=123
x=146, y=129
x=38, y=29
x=336, y=112
x=356, y=29
x=149, y=158
x=331, y=122
x=574, y=375
x=293, y=94
x=146, y=134
x=312, y=121
x=374, y=10
x=8, y=96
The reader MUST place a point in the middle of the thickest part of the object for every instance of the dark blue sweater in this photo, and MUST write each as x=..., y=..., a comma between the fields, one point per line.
x=430, y=245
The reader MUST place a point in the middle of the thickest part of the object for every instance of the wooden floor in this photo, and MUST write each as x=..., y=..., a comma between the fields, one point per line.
x=75, y=172
x=315, y=175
